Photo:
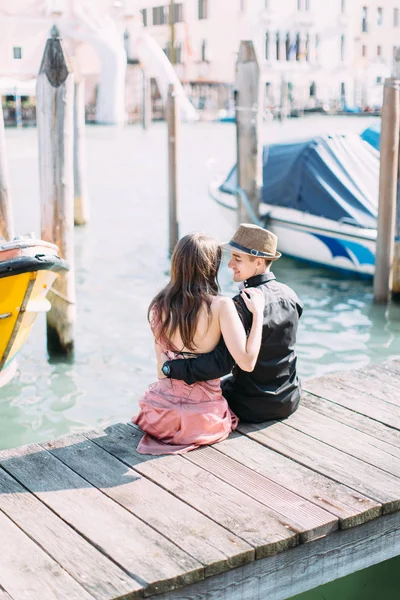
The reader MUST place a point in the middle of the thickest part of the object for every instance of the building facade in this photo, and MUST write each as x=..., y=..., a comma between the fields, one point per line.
x=336, y=52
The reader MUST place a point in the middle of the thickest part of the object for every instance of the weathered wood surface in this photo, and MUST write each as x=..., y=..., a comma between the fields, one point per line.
x=26, y=571
x=90, y=568
x=309, y=520
x=216, y=548
x=87, y=516
x=55, y=103
x=333, y=388
x=335, y=464
x=350, y=507
x=353, y=419
x=260, y=527
x=81, y=201
x=303, y=568
x=117, y=533
x=248, y=103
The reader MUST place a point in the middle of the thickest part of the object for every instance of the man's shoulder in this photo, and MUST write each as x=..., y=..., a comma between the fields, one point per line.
x=284, y=293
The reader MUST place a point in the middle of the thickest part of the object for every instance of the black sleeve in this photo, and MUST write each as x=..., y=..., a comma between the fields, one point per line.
x=213, y=365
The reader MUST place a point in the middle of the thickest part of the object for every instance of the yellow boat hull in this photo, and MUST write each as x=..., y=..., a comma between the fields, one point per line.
x=27, y=273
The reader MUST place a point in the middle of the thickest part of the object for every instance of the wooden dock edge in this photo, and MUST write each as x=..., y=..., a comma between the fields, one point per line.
x=304, y=567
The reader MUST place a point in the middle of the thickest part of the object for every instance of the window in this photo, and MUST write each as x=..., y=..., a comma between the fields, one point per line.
x=178, y=53
x=395, y=51
x=17, y=53
x=242, y=5
x=159, y=15
x=342, y=48
x=308, y=47
x=395, y=17
x=204, y=51
x=267, y=46
x=299, y=4
x=364, y=51
x=297, y=50
x=317, y=47
x=364, y=23
x=308, y=4
x=144, y=16
x=379, y=50
x=266, y=4
x=343, y=6
x=287, y=46
x=313, y=90
x=380, y=16
x=178, y=13
x=203, y=9
x=277, y=46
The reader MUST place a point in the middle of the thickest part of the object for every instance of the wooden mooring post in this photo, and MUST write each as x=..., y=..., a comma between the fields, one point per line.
x=173, y=165
x=396, y=258
x=389, y=162
x=248, y=105
x=6, y=218
x=55, y=123
x=81, y=202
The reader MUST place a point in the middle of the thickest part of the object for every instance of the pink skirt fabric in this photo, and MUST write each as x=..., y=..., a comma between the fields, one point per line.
x=177, y=417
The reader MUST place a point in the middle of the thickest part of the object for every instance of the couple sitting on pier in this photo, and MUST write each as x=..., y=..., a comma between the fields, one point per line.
x=201, y=336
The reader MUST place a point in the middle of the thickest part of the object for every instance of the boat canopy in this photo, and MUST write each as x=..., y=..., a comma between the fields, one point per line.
x=372, y=135
x=331, y=176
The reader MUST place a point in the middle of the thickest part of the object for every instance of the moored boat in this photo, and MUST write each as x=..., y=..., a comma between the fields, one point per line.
x=28, y=268
x=320, y=196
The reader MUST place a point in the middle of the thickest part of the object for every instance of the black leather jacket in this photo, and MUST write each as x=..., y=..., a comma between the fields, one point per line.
x=272, y=390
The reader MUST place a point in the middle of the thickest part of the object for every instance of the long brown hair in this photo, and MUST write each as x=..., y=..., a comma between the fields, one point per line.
x=194, y=268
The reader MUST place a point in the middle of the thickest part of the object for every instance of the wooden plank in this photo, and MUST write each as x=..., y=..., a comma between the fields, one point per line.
x=333, y=463
x=213, y=546
x=26, y=571
x=390, y=376
x=303, y=568
x=351, y=418
x=90, y=568
x=393, y=366
x=311, y=521
x=374, y=383
x=355, y=443
x=147, y=556
x=330, y=388
x=263, y=529
x=350, y=507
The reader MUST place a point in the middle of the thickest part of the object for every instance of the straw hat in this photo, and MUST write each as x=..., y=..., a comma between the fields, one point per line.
x=254, y=240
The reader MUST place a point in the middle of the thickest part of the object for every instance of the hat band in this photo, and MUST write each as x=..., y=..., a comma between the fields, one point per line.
x=252, y=252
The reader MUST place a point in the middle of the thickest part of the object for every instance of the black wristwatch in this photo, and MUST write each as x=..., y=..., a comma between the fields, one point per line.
x=166, y=369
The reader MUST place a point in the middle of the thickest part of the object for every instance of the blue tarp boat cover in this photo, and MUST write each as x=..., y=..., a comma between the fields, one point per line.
x=372, y=135
x=332, y=176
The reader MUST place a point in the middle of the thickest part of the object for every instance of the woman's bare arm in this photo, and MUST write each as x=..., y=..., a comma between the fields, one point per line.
x=244, y=351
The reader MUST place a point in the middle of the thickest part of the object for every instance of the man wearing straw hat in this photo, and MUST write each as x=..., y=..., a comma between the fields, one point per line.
x=272, y=389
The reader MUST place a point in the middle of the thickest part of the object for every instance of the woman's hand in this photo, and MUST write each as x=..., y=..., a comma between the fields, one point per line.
x=254, y=299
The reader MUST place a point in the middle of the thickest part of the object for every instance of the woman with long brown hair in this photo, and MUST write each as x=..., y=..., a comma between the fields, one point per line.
x=187, y=318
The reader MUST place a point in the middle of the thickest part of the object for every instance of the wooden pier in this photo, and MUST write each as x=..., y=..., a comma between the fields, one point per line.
x=273, y=511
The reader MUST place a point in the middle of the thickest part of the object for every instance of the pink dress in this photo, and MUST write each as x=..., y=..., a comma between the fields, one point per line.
x=177, y=417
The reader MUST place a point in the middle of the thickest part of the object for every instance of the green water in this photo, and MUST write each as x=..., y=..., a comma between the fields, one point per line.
x=380, y=582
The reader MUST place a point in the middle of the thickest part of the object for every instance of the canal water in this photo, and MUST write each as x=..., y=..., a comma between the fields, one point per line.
x=121, y=263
